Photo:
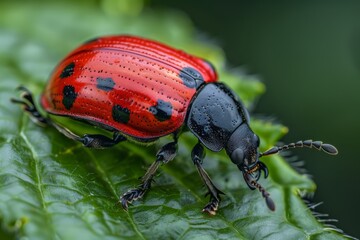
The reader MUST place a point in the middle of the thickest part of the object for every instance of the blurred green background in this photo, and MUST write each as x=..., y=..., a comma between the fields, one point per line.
x=308, y=55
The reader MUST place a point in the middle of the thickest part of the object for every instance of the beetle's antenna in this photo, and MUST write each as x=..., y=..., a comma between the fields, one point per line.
x=319, y=145
x=269, y=202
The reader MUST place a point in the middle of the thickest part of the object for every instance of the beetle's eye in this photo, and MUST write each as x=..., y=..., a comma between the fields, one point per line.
x=237, y=156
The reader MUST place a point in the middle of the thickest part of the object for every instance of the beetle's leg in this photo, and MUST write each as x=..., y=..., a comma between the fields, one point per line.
x=164, y=155
x=101, y=141
x=90, y=140
x=27, y=102
x=198, y=154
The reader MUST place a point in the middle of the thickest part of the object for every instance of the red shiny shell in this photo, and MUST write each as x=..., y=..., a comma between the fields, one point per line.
x=139, y=87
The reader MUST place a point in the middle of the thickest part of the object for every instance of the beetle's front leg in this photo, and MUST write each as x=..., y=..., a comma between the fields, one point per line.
x=198, y=154
x=165, y=155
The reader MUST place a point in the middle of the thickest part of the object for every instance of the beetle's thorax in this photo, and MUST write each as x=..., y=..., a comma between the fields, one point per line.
x=215, y=114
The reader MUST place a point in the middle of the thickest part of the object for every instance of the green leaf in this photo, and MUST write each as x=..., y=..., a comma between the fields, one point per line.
x=53, y=188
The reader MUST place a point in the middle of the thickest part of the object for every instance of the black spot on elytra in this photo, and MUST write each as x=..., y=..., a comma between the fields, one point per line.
x=106, y=84
x=162, y=110
x=69, y=96
x=191, y=77
x=120, y=114
x=68, y=70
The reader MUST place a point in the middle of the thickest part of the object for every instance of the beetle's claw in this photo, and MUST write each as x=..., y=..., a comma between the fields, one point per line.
x=124, y=203
x=212, y=206
x=27, y=103
x=130, y=196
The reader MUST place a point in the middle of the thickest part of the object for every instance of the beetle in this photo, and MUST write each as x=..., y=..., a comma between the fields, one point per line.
x=141, y=90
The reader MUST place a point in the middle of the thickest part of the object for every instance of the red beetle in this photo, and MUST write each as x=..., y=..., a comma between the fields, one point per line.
x=143, y=90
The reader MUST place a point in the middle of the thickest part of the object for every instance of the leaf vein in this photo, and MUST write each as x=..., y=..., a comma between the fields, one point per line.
x=110, y=185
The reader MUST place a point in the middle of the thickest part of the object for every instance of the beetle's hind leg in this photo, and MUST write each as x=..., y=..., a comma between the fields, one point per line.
x=89, y=140
x=165, y=155
x=197, y=155
x=28, y=104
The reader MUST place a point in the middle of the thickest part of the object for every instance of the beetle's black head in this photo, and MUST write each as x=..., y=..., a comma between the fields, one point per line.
x=243, y=149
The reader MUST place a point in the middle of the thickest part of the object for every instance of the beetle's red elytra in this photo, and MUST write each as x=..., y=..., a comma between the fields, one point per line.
x=151, y=84
x=141, y=89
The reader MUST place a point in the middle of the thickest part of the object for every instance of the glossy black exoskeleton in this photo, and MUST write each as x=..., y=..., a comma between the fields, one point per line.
x=220, y=121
